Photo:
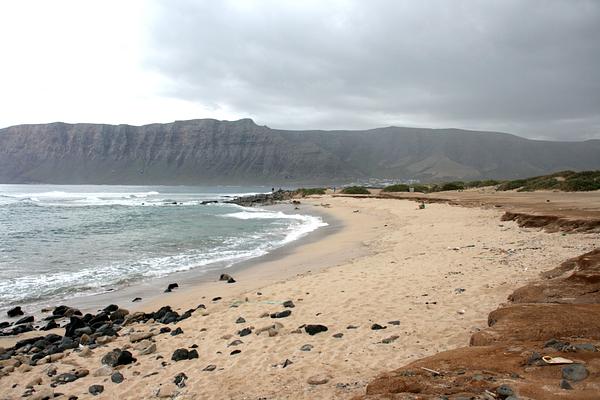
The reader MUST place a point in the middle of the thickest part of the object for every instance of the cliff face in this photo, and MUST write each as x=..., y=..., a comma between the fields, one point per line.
x=210, y=151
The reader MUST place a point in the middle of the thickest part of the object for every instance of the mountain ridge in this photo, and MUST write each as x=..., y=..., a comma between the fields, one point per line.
x=209, y=151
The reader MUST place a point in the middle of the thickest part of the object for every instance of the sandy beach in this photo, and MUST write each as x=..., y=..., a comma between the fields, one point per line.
x=428, y=278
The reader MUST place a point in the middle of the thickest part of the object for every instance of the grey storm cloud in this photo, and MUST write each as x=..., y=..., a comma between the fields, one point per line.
x=527, y=67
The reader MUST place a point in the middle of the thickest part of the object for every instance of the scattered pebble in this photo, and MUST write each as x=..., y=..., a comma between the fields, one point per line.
x=288, y=304
x=314, y=329
x=282, y=314
x=180, y=379
x=95, y=390
x=390, y=339
x=117, y=377
x=318, y=380
x=306, y=347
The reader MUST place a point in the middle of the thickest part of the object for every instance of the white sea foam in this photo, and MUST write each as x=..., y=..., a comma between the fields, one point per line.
x=308, y=223
x=60, y=273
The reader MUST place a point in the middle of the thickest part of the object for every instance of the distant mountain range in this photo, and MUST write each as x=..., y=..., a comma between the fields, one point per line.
x=208, y=151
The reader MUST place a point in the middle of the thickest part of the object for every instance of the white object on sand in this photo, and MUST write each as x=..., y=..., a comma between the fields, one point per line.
x=556, y=360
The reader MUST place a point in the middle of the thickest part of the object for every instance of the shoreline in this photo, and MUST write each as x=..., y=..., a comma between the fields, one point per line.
x=298, y=257
x=195, y=278
x=392, y=265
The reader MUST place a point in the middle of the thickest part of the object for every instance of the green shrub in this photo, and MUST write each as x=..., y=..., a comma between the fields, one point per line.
x=484, y=183
x=581, y=184
x=421, y=188
x=511, y=185
x=396, y=188
x=473, y=184
x=310, y=191
x=568, y=181
x=355, y=190
x=452, y=186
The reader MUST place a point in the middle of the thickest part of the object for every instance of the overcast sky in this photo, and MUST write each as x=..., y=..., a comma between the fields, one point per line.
x=526, y=67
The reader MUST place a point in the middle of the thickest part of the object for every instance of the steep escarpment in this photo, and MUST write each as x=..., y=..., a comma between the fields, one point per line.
x=210, y=151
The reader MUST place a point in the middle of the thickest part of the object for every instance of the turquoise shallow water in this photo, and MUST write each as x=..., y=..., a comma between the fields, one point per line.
x=58, y=242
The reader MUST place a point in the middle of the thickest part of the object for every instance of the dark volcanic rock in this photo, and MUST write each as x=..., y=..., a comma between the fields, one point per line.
x=376, y=327
x=171, y=287
x=50, y=325
x=118, y=357
x=18, y=329
x=314, y=329
x=288, y=304
x=245, y=332
x=282, y=314
x=169, y=318
x=110, y=308
x=184, y=354
x=25, y=342
x=564, y=384
x=117, y=377
x=504, y=391
x=95, y=390
x=15, y=312
x=240, y=320
x=180, y=379
x=177, y=331
x=74, y=324
x=136, y=300
x=575, y=372
x=65, y=378
x=118, y=314
x=60, y=311
x=25, y=320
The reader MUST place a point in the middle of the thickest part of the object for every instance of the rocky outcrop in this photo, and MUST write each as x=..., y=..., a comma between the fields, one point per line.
x=263, y=199
x=211, y=151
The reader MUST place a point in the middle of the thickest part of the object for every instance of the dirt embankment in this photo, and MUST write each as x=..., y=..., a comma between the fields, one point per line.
x=558, y=316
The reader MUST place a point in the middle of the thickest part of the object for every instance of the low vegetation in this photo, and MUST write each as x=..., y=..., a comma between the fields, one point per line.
x=452, y=186
x=484, y=183
x=310, y=191
x=396, y=188
x=355, y=190
x=568, y=181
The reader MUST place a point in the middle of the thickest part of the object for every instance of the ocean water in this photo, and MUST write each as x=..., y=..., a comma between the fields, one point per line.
x=59, y=242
